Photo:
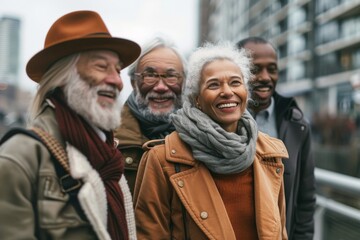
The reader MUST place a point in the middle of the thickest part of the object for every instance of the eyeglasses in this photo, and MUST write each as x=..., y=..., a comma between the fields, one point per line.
x=152, y=78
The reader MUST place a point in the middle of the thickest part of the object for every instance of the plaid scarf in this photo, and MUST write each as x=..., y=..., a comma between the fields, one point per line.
x=103, y=157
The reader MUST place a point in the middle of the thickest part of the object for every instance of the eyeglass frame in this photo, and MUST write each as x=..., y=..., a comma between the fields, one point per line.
x=160, y=76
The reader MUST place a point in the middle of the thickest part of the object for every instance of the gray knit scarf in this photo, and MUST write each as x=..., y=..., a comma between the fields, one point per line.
x=152, y=127
x=221, y=151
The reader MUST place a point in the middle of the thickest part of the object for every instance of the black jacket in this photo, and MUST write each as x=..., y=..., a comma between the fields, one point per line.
x=299, y=178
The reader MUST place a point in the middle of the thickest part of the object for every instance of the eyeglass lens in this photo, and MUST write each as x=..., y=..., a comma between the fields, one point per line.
x=153, y=78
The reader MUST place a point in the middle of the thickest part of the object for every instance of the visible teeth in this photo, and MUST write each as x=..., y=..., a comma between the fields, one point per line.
x=263, y=89
x=160, y=99
x=227, y=105
x=107, y=94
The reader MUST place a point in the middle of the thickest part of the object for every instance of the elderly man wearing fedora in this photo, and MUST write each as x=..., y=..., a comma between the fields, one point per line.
x=62, y=178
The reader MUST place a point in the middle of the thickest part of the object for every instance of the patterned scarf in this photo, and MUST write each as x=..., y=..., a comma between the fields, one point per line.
x=221, y=151
x=152, y=128
x=102, y=156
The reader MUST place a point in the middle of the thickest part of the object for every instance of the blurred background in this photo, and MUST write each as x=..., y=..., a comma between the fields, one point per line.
x=319, y=48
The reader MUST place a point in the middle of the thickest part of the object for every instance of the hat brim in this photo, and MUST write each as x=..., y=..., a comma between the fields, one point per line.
x=127, y=50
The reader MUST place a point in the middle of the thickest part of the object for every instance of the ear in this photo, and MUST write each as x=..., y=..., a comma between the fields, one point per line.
x=197, y=102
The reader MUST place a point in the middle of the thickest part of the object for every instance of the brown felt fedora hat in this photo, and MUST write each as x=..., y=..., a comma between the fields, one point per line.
x=76, y=32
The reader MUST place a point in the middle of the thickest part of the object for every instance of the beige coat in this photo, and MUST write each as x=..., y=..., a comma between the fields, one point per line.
x=159, y=189
x=32, y=204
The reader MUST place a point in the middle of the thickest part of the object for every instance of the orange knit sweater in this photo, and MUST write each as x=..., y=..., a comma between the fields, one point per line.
x=237, y=192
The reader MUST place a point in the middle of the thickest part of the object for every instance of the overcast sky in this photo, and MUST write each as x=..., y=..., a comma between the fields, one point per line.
x=137, y=20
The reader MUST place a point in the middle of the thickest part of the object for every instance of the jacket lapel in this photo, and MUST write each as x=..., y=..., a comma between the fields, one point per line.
x=199, y=195
x=268, y=174
x=198, y=192
x=206, y=208
x=267, y=184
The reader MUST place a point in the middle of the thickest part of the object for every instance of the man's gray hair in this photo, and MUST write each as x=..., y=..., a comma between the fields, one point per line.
x=152, y=44
x=207, y=54
x=57, y=76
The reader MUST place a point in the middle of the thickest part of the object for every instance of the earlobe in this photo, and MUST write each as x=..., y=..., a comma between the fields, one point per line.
x=197, y=103
x=198, y=106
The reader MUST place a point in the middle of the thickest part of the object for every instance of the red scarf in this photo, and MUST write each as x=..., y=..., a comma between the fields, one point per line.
x=103, y=157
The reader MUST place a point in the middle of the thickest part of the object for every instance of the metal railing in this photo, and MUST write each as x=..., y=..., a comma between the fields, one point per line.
x=339, y=183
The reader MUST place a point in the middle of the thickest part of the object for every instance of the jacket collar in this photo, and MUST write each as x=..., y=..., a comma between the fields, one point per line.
x=269, y=147
x=129, y=132
x=178, y=151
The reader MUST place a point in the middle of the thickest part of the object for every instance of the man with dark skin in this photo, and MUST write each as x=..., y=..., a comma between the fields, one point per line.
x=281, y=117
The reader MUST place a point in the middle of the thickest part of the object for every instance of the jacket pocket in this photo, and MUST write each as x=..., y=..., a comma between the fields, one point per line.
x=54, y=208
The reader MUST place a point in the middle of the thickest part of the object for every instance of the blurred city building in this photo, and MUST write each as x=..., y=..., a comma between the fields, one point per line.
x=9, y=49
x=13, y=101
x=319, y=49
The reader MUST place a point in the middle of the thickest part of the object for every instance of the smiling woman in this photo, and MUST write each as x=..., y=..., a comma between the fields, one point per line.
x=203, y=175
x=222, y=93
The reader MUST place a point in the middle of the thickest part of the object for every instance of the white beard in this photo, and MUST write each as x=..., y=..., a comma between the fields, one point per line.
x=83, y=99
x=147, y=112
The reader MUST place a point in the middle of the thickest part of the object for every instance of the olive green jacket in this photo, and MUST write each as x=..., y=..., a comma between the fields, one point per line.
x=160, y=192
x=130, y=141
x=32, y=204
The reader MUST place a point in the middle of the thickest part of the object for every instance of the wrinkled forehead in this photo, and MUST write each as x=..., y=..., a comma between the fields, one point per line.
x=161, y=58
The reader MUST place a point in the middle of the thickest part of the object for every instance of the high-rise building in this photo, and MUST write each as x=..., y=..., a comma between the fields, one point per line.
x=11, y=110
x=9, y=50
x=318, y=43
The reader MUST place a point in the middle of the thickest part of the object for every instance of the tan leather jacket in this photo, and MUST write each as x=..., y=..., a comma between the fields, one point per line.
x=32, y=204
x=159, y=190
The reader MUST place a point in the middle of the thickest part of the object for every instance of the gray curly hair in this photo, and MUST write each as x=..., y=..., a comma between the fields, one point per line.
x=208, y=53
